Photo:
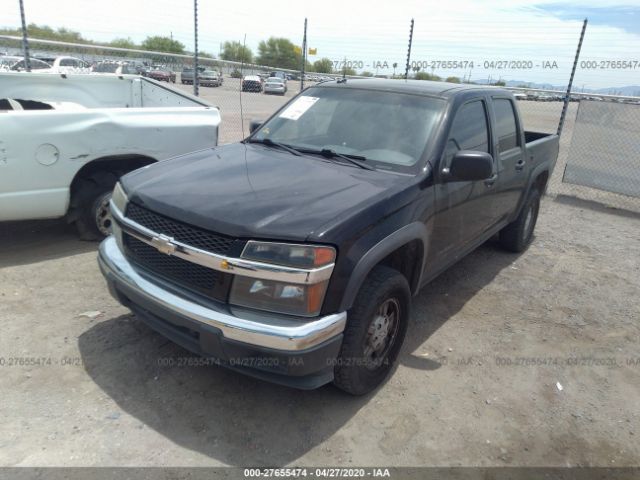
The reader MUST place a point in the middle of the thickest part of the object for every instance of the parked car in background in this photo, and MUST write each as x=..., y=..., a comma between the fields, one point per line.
x=66, y=141
x=65, y=64
x=186, y=76
x=251, y=83
x=275, y=85
x=161, y=73
x=119, y=68
x=210, y=78
x=279, y=74
x=17, y=64
x=303, y=245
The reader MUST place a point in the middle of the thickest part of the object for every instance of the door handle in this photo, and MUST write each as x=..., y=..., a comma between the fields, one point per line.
x=520, y=165
x=491, y=180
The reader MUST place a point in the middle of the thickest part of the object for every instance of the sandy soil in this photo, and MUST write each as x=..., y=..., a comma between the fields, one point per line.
x=529, y=359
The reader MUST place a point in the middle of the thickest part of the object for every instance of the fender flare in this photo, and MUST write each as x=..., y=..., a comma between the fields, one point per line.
x=399, y=238
x=535, y=173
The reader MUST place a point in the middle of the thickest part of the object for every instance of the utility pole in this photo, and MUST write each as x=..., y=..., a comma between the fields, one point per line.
x=304, y=55
x=25, y=40
x=406, y=70
x=567, y=96
x=196, y=80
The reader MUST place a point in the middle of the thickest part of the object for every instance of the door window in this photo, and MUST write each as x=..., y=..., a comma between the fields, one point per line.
x=469, y=130
x=506, y=129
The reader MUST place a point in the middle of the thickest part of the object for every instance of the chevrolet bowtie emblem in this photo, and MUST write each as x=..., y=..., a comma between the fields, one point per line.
x=163, y=244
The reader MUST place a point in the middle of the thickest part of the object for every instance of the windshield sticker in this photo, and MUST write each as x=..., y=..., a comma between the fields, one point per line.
x=297, y=108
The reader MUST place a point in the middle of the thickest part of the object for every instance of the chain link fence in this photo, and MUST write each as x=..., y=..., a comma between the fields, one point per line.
x=599, y=151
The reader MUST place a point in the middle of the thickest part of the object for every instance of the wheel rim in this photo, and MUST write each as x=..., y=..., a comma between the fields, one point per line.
x=381, y=333
x=103, y=214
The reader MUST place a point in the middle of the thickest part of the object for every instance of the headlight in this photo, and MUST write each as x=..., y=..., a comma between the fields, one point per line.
x=290, y=255
x=282, y=296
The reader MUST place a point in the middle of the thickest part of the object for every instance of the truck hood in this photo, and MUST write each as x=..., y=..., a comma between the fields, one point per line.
x=251, y=190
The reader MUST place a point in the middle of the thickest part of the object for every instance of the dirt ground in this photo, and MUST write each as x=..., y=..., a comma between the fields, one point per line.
x=509, y=360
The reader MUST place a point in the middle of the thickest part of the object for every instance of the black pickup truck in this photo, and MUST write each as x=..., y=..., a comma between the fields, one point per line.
x=293, y=255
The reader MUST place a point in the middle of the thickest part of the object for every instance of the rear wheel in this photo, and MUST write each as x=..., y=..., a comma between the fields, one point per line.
x=517, y=236
x=376, y=327
x=91, y=206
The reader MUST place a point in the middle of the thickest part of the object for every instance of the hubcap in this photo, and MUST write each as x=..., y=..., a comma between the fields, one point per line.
x=381, y=333
x=103, y=214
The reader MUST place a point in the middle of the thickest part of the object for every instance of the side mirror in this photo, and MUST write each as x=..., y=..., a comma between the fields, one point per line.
x=469, y=165
x=255, y=125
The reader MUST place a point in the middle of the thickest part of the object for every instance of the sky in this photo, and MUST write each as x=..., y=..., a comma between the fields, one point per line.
x=535, y=41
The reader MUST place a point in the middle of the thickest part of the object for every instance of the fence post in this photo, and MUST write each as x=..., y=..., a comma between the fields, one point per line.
x=406, y=70
x=196, y=80
x=567, y=97
x=304, y=55
x=25, y=40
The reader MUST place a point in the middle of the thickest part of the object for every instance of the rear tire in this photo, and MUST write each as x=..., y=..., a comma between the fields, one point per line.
x=91, y=205
x=376, y=327
x=517, y=236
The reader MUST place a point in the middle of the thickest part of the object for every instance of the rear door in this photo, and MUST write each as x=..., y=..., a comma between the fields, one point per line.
x=510, y=155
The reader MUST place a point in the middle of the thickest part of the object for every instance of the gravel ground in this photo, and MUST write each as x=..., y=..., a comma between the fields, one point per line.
x=529, y=359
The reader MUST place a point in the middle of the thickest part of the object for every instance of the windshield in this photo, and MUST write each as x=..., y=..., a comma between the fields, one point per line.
x=390, y=130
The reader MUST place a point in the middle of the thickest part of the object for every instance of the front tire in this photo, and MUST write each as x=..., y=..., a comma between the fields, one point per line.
x=517, y=236
x=376, y=327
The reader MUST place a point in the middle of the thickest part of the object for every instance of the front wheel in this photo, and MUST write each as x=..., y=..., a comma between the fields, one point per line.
x=517, y=236
x=376, y=327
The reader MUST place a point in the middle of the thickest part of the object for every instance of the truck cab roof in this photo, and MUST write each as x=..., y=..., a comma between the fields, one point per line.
x=415, y=87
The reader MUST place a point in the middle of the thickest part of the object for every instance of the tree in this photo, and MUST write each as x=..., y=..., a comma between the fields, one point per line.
x=123, y=43
x=500, y=83
x=236, y=52
x=367, y=74
x=324, y=65
x=452, y=80
x=45, y=32
x=348, y=71
x=279, y=52
x=162, y=44
x=427, y=76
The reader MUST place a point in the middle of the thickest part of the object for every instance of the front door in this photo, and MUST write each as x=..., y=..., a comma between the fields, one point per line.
x=464, y=209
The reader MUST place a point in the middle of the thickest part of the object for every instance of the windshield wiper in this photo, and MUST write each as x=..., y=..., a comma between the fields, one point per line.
x=328, y=153
x=271, y=143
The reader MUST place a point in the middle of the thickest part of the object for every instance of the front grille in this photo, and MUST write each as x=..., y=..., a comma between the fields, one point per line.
x=182, y=273
x=189, y=275
x=192, y=236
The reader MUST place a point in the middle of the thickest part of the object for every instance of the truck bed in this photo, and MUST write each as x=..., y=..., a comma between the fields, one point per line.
x=92, y=91
x=542, y=148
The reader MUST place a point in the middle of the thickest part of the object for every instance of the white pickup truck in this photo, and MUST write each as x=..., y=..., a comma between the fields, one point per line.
x=66, y=139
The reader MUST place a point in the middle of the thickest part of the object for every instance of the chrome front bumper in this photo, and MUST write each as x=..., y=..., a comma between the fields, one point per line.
x=289, y=337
